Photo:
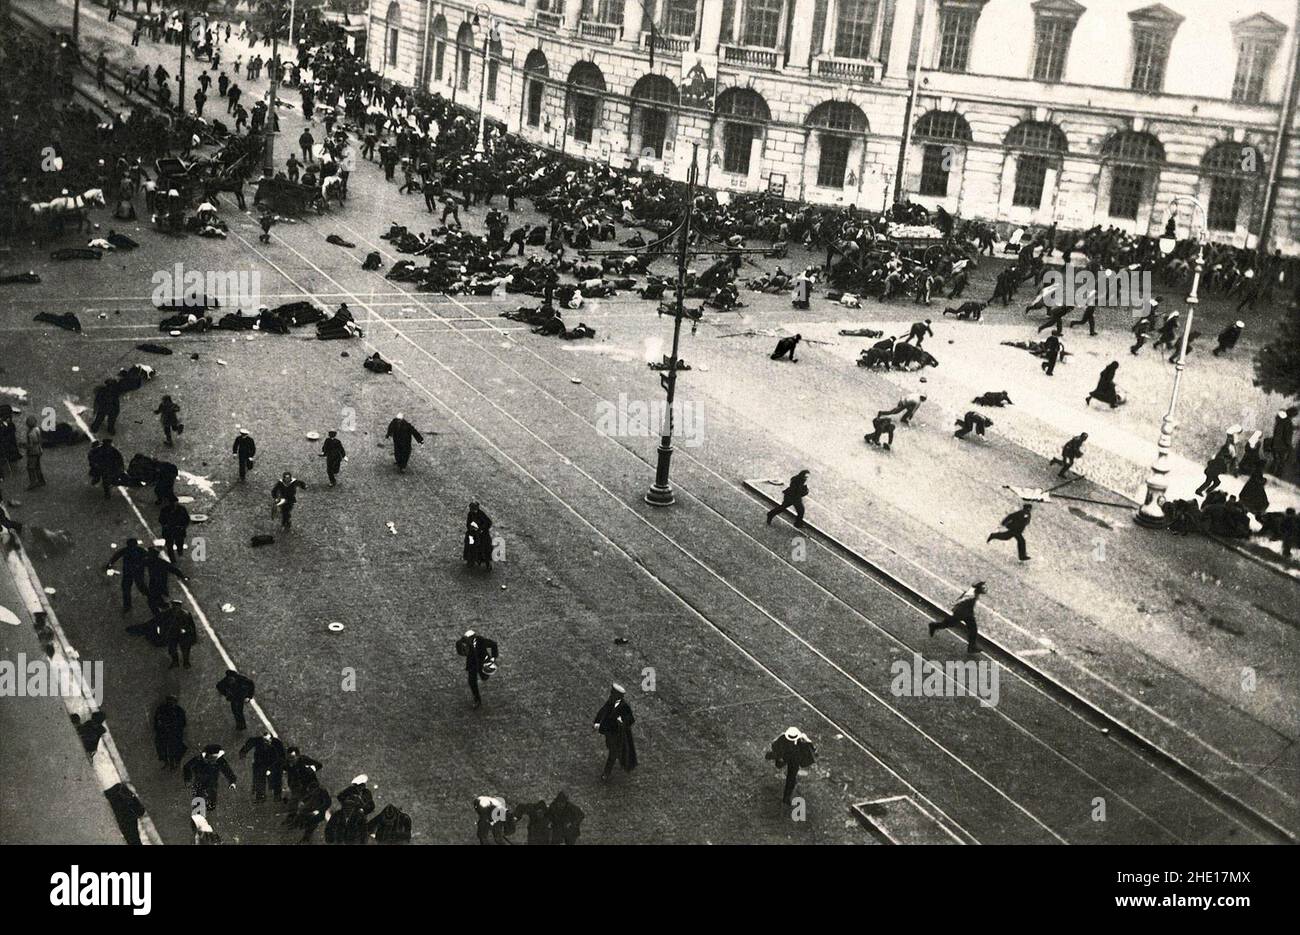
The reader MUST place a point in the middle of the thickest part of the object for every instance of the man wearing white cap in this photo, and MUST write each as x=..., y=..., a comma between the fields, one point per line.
x=245, y=449
x=614, y=720
x=480, y=660
x=1228, y=338
x=793, y=751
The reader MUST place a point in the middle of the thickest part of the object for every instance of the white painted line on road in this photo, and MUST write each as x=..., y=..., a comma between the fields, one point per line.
x=194, y=603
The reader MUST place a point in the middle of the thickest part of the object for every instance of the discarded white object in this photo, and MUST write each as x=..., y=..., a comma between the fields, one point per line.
x=198, y=517
x=313, y=436
x=392, y=527
x=336, y=627
x=574, y=380
x=184, y=499
x=50, y=591
x=174, y=334
x=110, y=572
x=222, y=362
x=228, y=608
x=76, y=369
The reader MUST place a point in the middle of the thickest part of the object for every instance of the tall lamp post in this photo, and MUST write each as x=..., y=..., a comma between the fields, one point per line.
x=1152, y=514
x=272, y=124
x=661, y=491
x=483, y=14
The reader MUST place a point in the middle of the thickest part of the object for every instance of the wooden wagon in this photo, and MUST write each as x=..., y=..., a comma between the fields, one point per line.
x=283, y=196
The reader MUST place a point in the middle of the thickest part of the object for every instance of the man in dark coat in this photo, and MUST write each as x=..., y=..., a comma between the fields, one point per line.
x=1228, y=338
x=792, y=496
x=236, y=688
x=478, y=651
x=108, y=405
x=284, y=496
x=614, y=720
x=245, y=449
x=134, y=561
x=169, y=732
x=1052, y=352
x=792, y=751
x=300, y=773
x=401, y=432
x=268, y=764
x=178, y=632
x=1071, y=452
x=1013, y=527
x=1279, y=445
x=786, y=347
x=204, y=769
x=334, y=454
x=972, y=422
x=174, y=521
x=158, y=569
x=106, y=465
x=963, y=612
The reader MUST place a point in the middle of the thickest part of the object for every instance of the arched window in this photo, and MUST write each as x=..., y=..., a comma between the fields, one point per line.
x=1040, y=146
x=744, y=115
x=439, y=46
x=464, y=53
x=536, y=70
x=392, y=31
x=493, y=65
x=586, y=85
x=838, y=122
x=941, y=130
x=1232, y=170
x=1133, y=158
x=649, y=91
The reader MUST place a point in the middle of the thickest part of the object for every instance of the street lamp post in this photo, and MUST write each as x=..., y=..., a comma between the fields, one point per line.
x=661, y=491
x=272, y=124
x=185, y=41
x=1152, y=514
x=481, y=13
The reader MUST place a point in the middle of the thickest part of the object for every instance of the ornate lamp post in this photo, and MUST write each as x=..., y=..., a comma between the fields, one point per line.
x=483, y=14
x=1152, y=514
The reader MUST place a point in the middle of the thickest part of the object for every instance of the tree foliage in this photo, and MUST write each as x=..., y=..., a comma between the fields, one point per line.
x=1277, y=366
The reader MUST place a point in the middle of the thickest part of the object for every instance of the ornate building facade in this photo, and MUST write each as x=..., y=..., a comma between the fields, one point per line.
x=1021, y=111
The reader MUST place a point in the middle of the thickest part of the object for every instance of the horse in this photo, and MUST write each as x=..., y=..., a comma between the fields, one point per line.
x=214, y=186
x=57, y=211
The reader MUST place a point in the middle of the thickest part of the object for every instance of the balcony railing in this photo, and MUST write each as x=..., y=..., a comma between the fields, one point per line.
x=545, y=19
x=847, y=69
x=669, y=45
x=601, y=32
x=763, y=59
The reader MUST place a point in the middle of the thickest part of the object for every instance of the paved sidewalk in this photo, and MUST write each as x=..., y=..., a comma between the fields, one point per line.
x=49, y=793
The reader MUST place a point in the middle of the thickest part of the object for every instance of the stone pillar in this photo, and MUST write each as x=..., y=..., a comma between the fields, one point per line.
x=900, y=40
x=710, y=28
x=801, y=35
x=632, y=14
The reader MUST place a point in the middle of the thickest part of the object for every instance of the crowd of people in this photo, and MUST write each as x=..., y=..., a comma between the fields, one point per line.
x=428, y=148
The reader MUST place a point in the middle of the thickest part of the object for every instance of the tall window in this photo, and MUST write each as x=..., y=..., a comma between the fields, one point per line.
x=493, y=67
x=392, y=32
x=934, y=170
x=956, y=30
x=737, y=140
x=603, y=11
x=834, y=161
x=1051, y=46
x=464, y=67
x=679, y=18
x=654, y=128
x=1150, y=57
x=762, y=23
x=1225, y=203
x=855, y=22
x=439, y=59
x=1126, y=187
x=584, y=117
x=1254, y=61
x=536, y=88
x=1031, y=178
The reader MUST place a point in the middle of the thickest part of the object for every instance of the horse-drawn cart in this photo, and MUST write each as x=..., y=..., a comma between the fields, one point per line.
x=283, y=196
x=175, y=175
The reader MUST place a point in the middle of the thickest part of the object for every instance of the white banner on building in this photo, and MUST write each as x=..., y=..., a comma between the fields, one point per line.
x=699, y=80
